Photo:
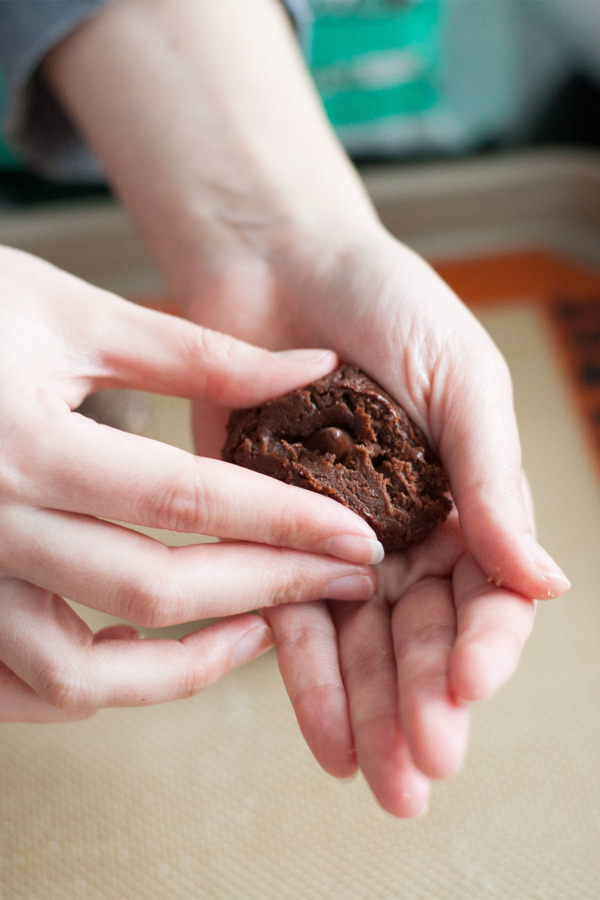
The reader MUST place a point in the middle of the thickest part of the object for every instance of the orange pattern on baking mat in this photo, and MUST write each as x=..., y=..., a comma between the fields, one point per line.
x=567, y=293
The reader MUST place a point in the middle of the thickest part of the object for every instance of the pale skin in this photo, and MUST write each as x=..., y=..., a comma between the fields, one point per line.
x=217, y=145
x=63, y=474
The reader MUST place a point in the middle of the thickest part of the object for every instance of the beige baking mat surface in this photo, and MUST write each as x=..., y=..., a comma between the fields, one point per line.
x=217, y=797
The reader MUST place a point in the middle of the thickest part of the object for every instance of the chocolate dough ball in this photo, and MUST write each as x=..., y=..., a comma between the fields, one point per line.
x=345, y=437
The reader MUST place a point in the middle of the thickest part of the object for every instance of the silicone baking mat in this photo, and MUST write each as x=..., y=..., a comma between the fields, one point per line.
x=217, y=797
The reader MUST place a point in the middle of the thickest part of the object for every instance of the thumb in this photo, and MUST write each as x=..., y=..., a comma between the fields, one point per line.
x=479, y=444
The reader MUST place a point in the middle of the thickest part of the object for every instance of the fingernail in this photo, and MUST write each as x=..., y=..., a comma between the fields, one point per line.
x=407, y=797
x=252, y=644
x=355, y=548
x=423, y=811
x=118, y=633
x=553, y=576
x=349, y=587
x=302, y=357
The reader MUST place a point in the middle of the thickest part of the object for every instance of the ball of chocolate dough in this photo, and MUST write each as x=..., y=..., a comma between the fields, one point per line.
x=345, y=437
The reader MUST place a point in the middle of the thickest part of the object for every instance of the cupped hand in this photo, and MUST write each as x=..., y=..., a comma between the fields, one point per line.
x=63, y=476
x=397, y=673
x=383, y=307
x=383, y=686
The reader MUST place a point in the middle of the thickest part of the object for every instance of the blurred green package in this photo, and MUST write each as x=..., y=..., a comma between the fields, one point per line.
x=7, y=158
x=378, y=66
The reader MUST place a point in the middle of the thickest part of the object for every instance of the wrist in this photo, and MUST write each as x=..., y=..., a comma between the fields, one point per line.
x=222, y=166
x=259, y=256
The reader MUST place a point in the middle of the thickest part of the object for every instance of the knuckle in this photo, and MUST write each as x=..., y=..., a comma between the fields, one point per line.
x=64, y=686
x=374, y=721
x=368, y=664
x=420, y=650
x=153, y=600
x=315, y=697
x=287, y=583
x=291, y=521
x=143, y=604
x=262, y=571
x=430, y=635
x=303, y=638
x=195, y=679
x=221, y=353
x=182, y=509
x=193, y=341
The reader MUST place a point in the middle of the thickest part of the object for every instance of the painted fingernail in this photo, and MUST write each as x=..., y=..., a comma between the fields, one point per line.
x=553, y=576
x=302, y=357
x=252, y=644
x=350, y=587
x=355, y=548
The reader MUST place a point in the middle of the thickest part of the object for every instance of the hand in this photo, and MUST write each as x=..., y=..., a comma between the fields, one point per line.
x=384, y=686
x=396, y=673
x=63, y=475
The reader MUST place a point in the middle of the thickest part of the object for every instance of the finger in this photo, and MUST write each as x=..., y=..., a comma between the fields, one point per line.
x=136, y=347
x=49, y=648
x=493, y=627
x=118, y=343
x=478, y=441
x=20, y=703
x=369, y=673
x=434, y=557
x=83, y=467
x=139, y=579
x=307, y=653
x=436, y=726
